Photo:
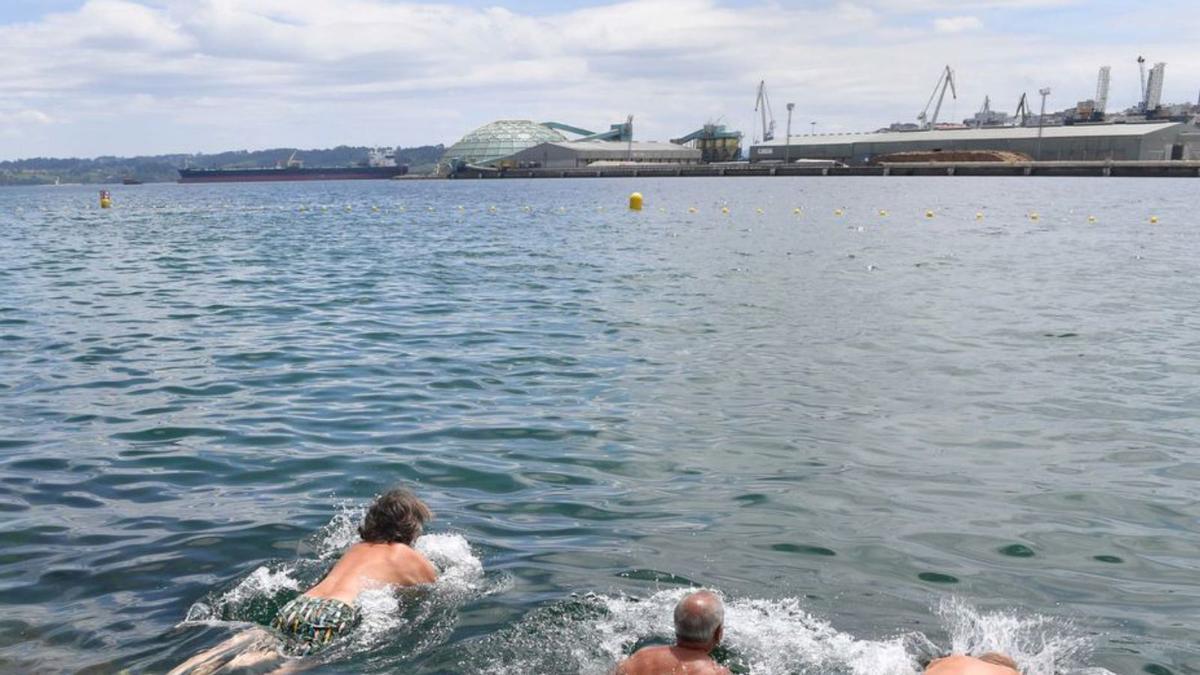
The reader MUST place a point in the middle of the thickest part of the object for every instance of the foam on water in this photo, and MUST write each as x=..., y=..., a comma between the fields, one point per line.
x=262, y=583
x=1041, y=645
x=589, y=634
x=768, y=636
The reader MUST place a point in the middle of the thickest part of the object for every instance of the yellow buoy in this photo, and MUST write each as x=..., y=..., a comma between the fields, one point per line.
x=725, y=210
x=979, y=215
x=1034, y=216
x=1091, y=219
x=883, y=212
x=1153, y=219
x=635, y=201
x=837, y=212
x=759, y=211
x=796, y=210
x=691, y=209
x=105, y=199
x=929, y=214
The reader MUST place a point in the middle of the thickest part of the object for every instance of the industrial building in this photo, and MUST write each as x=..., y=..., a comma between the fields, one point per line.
x=498, y=139
x=1098, y=142
x=575, y=154
x=490, y=146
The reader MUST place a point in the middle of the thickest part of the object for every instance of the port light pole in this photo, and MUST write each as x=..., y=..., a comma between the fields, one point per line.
x=787, y=151
x=814, y=128
x=1045, y=91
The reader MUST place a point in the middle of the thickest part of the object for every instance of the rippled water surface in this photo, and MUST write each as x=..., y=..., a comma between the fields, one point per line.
x=881, y=435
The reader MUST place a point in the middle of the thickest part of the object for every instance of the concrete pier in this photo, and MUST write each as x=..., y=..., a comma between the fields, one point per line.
x=1117, y=169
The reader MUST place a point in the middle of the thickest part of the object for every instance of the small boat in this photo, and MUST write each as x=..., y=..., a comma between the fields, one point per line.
x=130, y=181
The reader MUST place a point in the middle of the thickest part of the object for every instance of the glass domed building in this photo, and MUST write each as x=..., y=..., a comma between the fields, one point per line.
x=498, y=139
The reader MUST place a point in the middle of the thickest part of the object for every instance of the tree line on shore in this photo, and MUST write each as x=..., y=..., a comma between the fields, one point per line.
x=165, y=168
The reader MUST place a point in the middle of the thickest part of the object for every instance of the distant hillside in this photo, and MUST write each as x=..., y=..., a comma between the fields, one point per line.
x=160, y=168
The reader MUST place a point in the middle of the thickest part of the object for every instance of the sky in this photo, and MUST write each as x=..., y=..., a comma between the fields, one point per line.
x=82, y=78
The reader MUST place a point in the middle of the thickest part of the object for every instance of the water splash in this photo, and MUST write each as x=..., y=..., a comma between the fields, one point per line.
x=1039, y=644
x=591, y=633
x=340, y=532
x=250, y=598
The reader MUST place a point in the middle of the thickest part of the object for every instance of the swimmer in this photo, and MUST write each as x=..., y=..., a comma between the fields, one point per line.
x=988, y=664
x=311, y=621
x=699, y=625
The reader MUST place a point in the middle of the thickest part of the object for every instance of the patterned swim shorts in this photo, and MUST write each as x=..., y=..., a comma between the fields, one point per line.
x=312, y=623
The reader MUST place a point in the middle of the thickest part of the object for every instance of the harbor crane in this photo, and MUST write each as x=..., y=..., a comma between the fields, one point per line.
x=762, y=105
x=945, y=80
x=1022, y=113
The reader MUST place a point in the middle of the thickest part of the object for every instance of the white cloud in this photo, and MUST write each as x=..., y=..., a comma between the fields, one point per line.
x=126, y=76
x=23, y=117
x=957, y=24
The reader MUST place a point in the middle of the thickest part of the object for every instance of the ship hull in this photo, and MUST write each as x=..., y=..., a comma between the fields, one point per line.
x=293, y=174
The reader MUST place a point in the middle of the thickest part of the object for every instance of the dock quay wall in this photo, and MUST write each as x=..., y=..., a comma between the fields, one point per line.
x=1119, y=169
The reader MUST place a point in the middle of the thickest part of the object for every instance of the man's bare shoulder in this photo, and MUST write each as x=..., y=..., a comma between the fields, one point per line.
x=412, y=563
x=664, y=660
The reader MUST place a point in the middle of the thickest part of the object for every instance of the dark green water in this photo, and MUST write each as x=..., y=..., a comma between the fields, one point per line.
x=880, y=436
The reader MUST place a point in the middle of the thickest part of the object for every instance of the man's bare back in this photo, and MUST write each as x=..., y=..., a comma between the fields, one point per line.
x=666, y=660
x=367, y=565
x=309, y=622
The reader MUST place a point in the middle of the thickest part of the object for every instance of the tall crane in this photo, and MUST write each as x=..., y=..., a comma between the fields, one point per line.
x=945, y=80
x=762, y=105
x=1102, y=91
x=1022, y=113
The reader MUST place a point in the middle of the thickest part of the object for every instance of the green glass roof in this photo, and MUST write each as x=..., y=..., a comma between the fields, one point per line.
x=501, y=138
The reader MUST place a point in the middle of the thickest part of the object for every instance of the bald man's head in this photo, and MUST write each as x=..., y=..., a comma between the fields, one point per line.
x=699, y=617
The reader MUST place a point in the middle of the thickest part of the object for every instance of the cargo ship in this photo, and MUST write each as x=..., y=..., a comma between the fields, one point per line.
x=380, y=165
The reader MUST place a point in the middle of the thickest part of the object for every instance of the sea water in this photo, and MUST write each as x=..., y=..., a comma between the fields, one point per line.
x=885, y=418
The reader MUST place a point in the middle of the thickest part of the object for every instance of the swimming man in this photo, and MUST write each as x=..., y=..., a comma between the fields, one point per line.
x=384, y=557
x=699, y=625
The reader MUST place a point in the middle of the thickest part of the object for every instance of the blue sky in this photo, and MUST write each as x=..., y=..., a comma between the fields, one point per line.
x=82, y=78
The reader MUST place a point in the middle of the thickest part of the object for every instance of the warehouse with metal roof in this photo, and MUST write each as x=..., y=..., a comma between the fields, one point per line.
x=1098, y=142
x=574, y=154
